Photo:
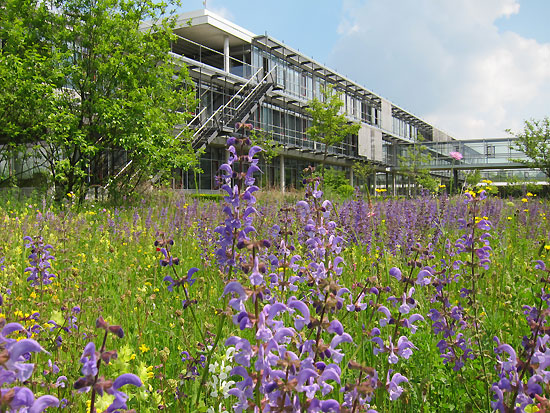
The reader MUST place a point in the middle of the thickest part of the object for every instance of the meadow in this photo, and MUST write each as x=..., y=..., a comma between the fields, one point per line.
x=261, y=303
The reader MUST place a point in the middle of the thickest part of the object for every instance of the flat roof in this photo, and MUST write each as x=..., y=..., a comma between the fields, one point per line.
x=207, y=28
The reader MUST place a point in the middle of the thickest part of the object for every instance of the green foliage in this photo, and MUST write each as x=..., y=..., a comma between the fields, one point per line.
x=413, y=164
x=270, y=147
x=85, y=78
x=534, y=142
x=473, y=178
x=364, y=170
x=427, y=181
x=334, y=179
x=520, y=189
x=207, y=197
x=346, y=190
x=328, y=125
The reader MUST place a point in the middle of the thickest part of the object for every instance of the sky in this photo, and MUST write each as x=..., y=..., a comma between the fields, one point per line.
x=472, y=68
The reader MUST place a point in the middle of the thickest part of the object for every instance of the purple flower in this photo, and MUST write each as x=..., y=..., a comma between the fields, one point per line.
x=386, y=320
x=409, y=322
x=43, y=402
x=393, y=385
x=540, y=265
x=39, y=259
x=236, y=288
x=14, y=368
x=408, y=303
x=336, y=355
x=336, y=327
x=181, y=282
x=16, y=363
x=396, y=273
x=404, y=347
x=125, y=379
x=120, y=397
x=299, y=322
x=168, y=259
x=329, y=405
x=424, y=277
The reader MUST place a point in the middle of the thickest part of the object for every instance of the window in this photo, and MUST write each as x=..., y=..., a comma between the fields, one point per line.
x=490, y=151
x=265, y=65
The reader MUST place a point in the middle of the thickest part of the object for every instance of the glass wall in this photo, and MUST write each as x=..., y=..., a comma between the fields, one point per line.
x=404, y=129
x=210, y=164
x=302, y=84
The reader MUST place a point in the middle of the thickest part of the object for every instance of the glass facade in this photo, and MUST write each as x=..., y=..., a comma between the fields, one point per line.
x=404, y=130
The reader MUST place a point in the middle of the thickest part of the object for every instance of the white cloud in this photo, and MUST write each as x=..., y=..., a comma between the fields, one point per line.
x=223, y=12
x=220, y=10
x=447, y=62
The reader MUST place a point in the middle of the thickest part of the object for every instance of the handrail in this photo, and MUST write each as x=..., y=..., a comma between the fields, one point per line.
x=221, y=108
x=117, y=175
x=196, y=116
x=202, y=46
x=260, y=83
x=194, y=119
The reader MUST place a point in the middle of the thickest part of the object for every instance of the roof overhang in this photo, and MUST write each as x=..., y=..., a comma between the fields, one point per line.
x=210, y=29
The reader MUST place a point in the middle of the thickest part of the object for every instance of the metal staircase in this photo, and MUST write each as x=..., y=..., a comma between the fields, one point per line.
x=238, y=109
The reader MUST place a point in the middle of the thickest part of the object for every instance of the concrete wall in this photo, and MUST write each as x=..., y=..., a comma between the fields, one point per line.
x=370, y=142
x=386, y=118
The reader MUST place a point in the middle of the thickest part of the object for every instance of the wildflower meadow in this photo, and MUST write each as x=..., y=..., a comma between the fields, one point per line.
x=251, y=303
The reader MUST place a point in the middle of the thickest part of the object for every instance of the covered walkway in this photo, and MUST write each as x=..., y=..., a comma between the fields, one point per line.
x=496, y=153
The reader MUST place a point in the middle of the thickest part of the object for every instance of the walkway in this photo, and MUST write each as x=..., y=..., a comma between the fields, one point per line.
x=496, y=153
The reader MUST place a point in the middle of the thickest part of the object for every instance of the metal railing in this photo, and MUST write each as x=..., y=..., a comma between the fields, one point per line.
x=476, y=154
x=214, y=58
x=224, y=115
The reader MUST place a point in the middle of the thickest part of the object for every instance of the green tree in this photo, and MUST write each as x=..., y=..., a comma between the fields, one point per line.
x=97, y=81
x=328, y=125
x=413, y=164
x=270, y=149
x=473, y=178
x=364, y=170
x=534, y=142
x=26, y=81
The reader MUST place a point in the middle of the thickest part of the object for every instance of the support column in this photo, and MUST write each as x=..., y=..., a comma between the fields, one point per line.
x=282, y=170
x=226, y=54
x=351, y=177
x=393, y=183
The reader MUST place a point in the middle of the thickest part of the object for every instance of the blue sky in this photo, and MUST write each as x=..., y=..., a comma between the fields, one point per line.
x=473, y=68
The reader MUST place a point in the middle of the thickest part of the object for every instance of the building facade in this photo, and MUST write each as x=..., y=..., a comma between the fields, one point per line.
x=240, y=76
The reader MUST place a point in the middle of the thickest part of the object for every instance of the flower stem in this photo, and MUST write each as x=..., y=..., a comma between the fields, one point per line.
x=209, y=357
x=92, y=402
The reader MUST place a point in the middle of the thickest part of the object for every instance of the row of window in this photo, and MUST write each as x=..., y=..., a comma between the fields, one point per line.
x=404, y=129
x=302, y=84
